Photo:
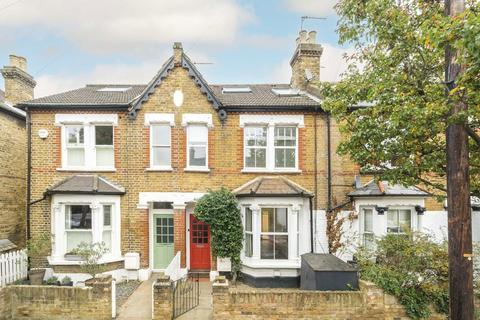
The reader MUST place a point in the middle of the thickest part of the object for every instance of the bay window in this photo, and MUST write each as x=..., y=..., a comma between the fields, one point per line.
x=248, y=233
x=197, y=146
x=160, y=145
x=107, y=226
x=274, y=233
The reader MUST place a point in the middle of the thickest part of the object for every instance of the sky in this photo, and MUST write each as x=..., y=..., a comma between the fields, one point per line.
x=72, y=43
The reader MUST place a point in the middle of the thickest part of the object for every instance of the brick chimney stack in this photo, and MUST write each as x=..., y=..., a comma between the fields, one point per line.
x=177, y=52
x=19, y=84
x=305, y=62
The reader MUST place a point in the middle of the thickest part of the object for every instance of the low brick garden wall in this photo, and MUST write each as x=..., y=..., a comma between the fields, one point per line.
x=53, y=302
x=244, y=302
x=163, y=299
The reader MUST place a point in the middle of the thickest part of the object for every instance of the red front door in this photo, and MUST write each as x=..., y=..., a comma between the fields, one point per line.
x=199, y=244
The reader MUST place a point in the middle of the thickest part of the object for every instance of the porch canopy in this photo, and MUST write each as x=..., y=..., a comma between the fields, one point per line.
x=383, y=188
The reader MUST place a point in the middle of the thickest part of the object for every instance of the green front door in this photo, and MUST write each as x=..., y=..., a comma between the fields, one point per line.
x=162, y=240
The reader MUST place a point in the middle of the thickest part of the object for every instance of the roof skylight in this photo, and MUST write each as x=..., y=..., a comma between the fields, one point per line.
x=236, y=90
x=286, y=91
x=114, y=89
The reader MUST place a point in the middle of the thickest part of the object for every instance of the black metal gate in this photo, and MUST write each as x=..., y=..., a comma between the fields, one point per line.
x=185, y=294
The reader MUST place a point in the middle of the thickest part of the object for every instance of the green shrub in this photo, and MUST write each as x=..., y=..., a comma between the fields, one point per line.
x=411, y=267
x=52, y=281
x=91, y=253
x=220, y=210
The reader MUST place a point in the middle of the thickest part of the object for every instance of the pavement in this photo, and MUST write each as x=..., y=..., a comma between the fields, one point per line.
x=139, y=305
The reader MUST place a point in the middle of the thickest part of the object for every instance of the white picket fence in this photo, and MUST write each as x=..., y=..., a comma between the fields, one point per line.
x=13, y=266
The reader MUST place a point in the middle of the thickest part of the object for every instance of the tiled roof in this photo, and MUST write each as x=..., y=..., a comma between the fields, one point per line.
x=90, y=184
x=91, y=95
x=6, y=245
x=261, y=95
x=271, y=186
x=383, y=188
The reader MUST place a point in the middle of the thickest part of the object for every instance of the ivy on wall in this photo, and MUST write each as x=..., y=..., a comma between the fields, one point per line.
x=220, y=210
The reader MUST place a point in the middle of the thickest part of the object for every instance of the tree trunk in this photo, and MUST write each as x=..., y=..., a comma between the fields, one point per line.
x=458, y=195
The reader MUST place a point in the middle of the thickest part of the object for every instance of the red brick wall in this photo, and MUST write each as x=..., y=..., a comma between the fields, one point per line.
x=179, y=234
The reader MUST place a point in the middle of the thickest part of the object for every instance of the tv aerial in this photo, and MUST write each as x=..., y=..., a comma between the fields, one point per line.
x=303, y=18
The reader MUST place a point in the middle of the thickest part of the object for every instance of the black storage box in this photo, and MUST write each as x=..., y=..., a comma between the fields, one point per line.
x=326, y=272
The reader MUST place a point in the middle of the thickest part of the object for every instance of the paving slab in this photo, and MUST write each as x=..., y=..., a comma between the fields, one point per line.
x=204, y=309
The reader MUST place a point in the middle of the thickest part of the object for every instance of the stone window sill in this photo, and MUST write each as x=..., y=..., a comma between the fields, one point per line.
x=271, y=264
x=159, y=169
x=63, y=262
x=287, y=171
x=196, y=170
x=92, y=169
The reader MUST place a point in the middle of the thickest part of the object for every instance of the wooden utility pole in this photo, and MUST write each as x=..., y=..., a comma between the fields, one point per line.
x=458, y=194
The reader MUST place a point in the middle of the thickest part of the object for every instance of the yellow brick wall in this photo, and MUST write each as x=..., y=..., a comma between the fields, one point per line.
x=12, y=178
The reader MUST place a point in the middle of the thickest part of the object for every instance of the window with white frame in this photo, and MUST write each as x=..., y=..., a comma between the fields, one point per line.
x=197, y=146
x=285, y=147
x=248, y=233
x=75, y=145
x=107, y=226
x=399, y=220
x=255, y=147
x=271, y=148
x=368, y=235
x=78, y=225
x=160, y=145
x=104, y=152
x=274, y=233
x=88, y=147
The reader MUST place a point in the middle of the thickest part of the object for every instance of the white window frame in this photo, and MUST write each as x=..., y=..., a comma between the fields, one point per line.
x=88, y=122
x=67, y=217
x=197, y=168
x=362, y=225
x=76, y=145
x=96, y=203
x=246, y=147
x=412, y=225
x=246, y=231
x=285, y=147
x=167, y=167
x=284, y=233
x=110, y=227
x=272, y=122
x=102, y=146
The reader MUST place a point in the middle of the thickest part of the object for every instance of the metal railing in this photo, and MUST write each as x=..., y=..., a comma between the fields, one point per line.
x=186, y=294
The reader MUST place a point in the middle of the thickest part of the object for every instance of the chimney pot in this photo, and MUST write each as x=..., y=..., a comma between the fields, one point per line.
x=303, y=36
x=19, y=62
x=312, y=37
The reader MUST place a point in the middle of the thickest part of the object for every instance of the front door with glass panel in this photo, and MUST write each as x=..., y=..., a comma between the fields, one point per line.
x=163, y=251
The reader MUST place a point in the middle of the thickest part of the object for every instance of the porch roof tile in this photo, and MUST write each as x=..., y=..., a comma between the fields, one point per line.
x=87, y=184
x=271, y=186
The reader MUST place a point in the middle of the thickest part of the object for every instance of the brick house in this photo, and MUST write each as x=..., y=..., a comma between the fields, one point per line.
x=13, y=153
x=125, y=164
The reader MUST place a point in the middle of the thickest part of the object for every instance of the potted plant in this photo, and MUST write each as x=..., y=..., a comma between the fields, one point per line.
x=37, y=248
x=67, y=281
x=52, y=281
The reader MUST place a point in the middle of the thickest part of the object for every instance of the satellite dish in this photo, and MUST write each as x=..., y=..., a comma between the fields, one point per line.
x=308, y=75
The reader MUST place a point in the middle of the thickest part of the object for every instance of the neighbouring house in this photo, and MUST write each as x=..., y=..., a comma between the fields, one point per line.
x=125, y=164
x=19, y=87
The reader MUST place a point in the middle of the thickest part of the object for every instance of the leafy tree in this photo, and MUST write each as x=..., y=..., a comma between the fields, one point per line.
x=220, y=210
x=391, y=102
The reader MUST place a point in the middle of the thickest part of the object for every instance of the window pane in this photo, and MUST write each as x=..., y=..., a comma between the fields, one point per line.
x=404, y=219
x=197, y=135
x=250, y=158
x=107, y=215
x=75, y=156
x=267, y=220
x=284, y=158
x=248, y=219
x=368, y=220
x=80, y=217
x=75, y=135
x=107, y=239
x=281, y=220
x=256, y=136
x=248, y=245
x=161, y=156
x=104, y=135
x=162, y=205
x=368, y=240
x=279, y=158
x=266, y=246
x=104, y=156
x=281, y=247
x=74, y=238
x=392, y=221
x=285, y=136
x=161, y=135
x=198, y=156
